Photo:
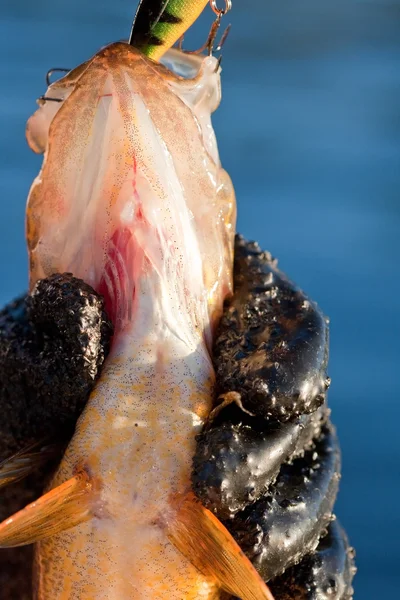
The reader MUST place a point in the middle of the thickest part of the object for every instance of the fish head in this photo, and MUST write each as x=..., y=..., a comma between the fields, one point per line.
x=131, y=196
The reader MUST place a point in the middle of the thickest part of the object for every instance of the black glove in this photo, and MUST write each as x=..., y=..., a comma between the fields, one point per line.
x=272, y=478
x=52, y=346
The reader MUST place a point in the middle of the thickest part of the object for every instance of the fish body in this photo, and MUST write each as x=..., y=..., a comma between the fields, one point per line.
x=160, y=23
x=137, y=437
x=132, y=199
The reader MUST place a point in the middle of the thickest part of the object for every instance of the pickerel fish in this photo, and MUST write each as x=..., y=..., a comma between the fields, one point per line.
x=132, y=198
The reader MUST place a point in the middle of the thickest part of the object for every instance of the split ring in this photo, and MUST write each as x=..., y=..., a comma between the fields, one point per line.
x=221, y=11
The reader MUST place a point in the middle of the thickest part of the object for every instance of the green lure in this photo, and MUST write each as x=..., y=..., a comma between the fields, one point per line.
x=159, y=24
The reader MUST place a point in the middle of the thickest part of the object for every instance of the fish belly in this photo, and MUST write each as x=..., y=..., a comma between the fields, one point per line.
x=136, y=439
x=108, y=562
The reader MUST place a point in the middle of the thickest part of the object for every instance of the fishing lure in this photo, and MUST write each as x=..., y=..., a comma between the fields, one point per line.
x=159, y=24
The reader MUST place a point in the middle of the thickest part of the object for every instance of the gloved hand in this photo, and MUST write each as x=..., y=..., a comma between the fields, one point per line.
x=267, y=463
x=52, y=346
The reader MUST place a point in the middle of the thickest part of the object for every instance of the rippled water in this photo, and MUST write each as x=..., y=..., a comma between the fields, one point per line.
x=309, y=130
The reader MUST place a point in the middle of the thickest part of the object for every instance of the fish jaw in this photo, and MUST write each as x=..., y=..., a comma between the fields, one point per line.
x=132, y=199
x=131, y=184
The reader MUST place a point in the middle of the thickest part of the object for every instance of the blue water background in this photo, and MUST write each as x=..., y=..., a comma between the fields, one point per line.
x=309, y=130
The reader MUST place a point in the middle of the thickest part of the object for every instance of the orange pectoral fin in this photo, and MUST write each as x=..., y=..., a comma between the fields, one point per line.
x=64, y=507
x=209, y=546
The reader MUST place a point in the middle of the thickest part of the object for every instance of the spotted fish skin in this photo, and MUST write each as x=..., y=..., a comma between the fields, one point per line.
x=160, y=23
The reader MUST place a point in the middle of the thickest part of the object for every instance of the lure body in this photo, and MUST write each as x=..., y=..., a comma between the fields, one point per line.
x=132, y=199
x=160, y=23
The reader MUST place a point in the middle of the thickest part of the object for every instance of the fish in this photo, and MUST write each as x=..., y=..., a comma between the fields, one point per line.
x=159, y=24
x=132, y=198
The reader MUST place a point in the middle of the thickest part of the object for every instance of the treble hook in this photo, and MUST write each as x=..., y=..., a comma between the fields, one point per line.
x=49, y=99
x=49, y=73
x=220, y=12
x=55, y=70
x=209, y=44
x=223, y=38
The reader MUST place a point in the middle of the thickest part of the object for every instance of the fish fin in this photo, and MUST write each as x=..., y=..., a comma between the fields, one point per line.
x=63, y=507
x=209, y=546
x=26, y=461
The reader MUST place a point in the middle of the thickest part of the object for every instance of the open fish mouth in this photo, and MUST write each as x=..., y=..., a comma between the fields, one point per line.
x=131, y=194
